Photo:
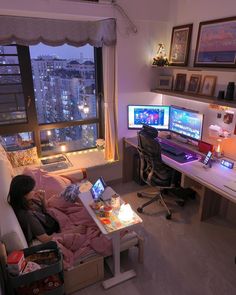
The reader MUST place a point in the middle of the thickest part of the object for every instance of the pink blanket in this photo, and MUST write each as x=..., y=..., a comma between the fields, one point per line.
x=75, y=245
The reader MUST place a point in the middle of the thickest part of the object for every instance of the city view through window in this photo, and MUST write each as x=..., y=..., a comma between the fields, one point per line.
x=65, y=97
x=65, y=90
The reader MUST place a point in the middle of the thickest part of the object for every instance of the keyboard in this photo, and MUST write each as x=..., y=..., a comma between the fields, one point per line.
x=53, y=160
x=55, y=166
x=176, y=151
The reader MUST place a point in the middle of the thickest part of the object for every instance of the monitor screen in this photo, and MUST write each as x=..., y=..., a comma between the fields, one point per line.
x=153, y=115
x=186, y=122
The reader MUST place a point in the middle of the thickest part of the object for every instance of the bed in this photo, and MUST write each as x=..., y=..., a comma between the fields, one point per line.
x=85, y=270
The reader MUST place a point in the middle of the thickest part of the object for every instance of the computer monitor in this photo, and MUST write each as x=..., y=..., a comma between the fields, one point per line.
x=153, y=115
x=185, y=122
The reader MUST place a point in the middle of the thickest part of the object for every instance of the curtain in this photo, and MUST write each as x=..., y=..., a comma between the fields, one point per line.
x=31, y=31
x=110, y=100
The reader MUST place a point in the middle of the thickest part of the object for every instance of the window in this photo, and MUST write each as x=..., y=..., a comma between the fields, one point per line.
x=49, y=97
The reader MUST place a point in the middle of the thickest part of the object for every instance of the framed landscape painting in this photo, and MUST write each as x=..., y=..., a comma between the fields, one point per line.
x=180, y=43
x=216, y=45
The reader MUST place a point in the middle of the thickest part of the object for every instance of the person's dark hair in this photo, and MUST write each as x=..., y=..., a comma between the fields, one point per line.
x=20, y=186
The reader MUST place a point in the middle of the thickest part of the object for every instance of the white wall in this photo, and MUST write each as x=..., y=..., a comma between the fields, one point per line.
x=189, y=11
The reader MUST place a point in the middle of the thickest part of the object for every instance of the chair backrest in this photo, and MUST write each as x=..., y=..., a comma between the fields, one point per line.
x=152, y=170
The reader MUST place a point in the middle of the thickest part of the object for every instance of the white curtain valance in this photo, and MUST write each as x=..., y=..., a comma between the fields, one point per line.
x=31, y=31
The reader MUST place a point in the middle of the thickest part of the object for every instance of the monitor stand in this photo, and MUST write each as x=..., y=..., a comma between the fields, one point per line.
x=181, y=139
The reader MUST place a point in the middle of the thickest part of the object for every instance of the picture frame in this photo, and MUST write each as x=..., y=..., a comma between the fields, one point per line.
x=194, y=83
x=216, y=45
x=164, y=82
x=180, y=82
x=208, y=86
x=180, y=45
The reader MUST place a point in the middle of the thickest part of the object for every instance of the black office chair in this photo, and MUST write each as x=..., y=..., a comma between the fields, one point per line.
x=152, y=170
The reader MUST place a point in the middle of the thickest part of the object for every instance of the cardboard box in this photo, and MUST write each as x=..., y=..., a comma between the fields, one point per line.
x=84, y=274
x=15, y=262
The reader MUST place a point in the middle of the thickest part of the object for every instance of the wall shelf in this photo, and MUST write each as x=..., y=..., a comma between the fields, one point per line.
x=192, y=69
x=196, y=97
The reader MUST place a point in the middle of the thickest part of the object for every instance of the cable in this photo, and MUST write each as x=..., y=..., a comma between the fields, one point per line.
x=124, y=14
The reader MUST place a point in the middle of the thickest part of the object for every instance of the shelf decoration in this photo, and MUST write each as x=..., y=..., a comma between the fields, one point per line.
x=208, y=86
x=160, y=59
x=194, y=83
x=216, y=45
x=180, y=44
x=180, y=82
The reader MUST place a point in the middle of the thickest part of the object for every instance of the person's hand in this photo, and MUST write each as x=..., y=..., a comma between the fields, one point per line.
x=40, y=194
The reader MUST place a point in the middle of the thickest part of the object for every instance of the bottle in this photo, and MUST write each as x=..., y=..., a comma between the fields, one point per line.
x=230, y=91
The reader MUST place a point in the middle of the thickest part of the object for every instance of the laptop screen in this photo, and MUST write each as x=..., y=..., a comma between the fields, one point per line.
x=98, y=188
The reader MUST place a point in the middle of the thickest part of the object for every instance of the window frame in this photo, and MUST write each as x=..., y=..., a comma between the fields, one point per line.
x=32, y=125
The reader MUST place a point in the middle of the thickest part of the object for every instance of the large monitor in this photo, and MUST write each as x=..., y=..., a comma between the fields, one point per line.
x=187, y=123
x=153, y=115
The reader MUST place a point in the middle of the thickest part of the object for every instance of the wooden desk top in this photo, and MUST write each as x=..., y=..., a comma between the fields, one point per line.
x=213, y=178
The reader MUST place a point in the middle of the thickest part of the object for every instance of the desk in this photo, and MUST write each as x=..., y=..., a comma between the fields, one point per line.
x=86, y=199
x=208, y=183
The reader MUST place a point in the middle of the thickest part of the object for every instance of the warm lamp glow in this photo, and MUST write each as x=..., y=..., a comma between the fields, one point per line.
x=63, y=148
x=218, y=148
x=125, y=213
x=49, y=132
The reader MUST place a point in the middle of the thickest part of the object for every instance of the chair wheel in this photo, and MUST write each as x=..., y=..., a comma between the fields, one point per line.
x=139, y=195
x=140, y=210
x=168, y=216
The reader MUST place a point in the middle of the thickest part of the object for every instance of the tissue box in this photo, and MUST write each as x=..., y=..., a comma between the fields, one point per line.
x=16, y=262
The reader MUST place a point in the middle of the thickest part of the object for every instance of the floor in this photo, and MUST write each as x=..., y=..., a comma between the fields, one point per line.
x=182, y=256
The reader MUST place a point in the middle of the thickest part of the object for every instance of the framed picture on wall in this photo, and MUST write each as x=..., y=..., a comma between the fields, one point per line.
x=180, y=44
x=164, y=82
x=216, y=46
x=180, y=82
x=194, y=83
x=208, y=86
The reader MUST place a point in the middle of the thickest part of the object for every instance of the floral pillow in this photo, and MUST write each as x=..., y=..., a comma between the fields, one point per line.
x=23, y=157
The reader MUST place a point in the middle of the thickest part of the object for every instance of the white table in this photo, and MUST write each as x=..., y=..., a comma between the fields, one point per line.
x=118, y=276
x=208, y=183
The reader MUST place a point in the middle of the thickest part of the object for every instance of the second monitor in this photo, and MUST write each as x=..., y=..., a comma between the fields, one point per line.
x=187, y=123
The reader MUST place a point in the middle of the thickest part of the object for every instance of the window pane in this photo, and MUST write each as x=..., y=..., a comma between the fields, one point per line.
x=10, y=79
x=12, y=102
x=64, y=83
x=17, y=141
x=8, y=49
x=9, y=60
x=68, y=139
x=10, y=70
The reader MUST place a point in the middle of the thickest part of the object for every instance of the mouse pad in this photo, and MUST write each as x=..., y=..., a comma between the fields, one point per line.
x=186, y=158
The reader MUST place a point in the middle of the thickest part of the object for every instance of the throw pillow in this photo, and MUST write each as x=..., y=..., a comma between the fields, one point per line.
x=23, y=157
x=3, y=157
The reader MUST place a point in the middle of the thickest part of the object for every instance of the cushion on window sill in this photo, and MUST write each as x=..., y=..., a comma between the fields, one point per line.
x=23, y=157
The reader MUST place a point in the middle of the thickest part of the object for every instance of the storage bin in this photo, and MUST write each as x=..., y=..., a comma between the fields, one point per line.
x=31, y=280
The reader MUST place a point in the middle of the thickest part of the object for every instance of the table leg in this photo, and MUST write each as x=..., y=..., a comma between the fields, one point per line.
x=118, y=276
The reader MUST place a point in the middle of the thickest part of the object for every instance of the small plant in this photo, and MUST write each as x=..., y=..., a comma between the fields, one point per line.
x=160, y=59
